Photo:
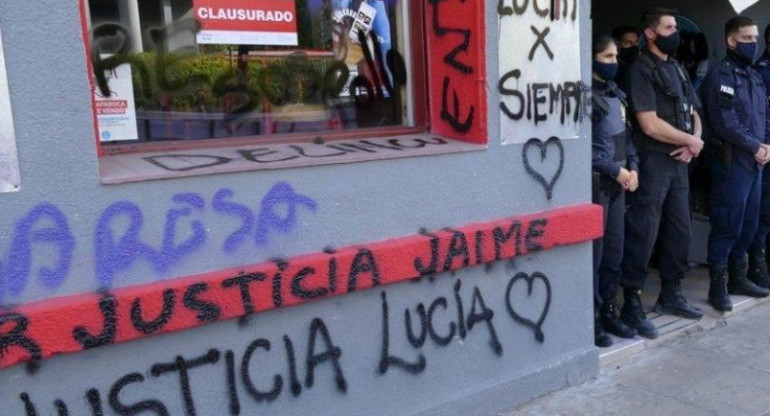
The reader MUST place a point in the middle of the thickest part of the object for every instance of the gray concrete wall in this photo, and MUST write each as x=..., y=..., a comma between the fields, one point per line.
x=356, y=203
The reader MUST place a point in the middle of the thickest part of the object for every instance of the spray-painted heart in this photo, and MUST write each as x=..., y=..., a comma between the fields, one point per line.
x=547, y=184
x=535, y=326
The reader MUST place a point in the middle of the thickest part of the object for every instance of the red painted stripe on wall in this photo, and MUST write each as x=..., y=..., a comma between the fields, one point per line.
x=40, y=330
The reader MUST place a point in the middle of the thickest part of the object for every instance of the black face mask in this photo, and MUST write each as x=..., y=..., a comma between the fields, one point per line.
x=747, y=52
x=606, y=72
x=668, y=44
x=628, y=55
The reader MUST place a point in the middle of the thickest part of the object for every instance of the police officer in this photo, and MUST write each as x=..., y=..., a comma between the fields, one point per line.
x=615, y=170
x=758, y=269
x=736, y=113
x=668, y=134
x=627, y=39
x=763, y=63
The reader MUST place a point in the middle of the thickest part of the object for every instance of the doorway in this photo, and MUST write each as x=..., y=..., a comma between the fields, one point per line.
x=702, y=28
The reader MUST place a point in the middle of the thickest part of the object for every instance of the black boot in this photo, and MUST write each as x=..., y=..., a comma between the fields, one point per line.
x=633, y=314
x=601, y=339
x=718, y=297
x=608, y=317
x=739, y=284
x=672, y=302
x=758, y=269
x=767, y=255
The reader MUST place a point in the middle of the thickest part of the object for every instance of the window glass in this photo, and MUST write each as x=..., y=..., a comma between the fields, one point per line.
x=209, y=69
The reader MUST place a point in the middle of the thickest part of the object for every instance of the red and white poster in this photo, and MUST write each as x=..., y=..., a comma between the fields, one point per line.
x=116, y=113
x=246, y=22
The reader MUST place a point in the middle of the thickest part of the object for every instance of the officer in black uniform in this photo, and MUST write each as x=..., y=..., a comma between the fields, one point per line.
x=627, y=39
x=763, y=63
x=735, y=110
x=668, y=131
x=758, y=255
x=615, y=170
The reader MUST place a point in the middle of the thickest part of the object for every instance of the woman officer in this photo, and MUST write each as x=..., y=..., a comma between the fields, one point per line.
x=614, y=164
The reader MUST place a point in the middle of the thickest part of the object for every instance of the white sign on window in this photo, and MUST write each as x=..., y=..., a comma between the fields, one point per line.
x=539, y=84
x=116, y=113
x=9, y=158
x=363, y=22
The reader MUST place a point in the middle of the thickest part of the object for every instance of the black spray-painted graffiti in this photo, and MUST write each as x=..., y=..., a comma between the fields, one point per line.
x=15, y=327
x=556, y=8
x=393, y=60
x=321, y=352
x=540, y=41
x=322, y=355
x=276, y=83
x=460, y=328
x=549, y=183
x=282, y=153
x=212, y=299
x=418, y=332
x=538, y=101
x=536, y=326
x=454, y=118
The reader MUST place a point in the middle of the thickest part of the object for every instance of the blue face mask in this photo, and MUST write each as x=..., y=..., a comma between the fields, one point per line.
x=747, y=51
x=606, y=72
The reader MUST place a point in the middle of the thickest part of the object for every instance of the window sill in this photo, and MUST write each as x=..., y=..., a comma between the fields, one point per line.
x=138, y=167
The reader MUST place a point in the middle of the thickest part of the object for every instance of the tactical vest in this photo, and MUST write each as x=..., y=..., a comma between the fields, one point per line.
x=678, y=109
x=602, y=109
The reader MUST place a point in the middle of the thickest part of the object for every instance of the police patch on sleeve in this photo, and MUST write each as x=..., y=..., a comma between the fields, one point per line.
x=726, y=97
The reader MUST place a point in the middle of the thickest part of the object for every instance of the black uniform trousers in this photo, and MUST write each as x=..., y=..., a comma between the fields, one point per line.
x=661, y=205
x=608, y=251
x=763, y=230
x=734, y=201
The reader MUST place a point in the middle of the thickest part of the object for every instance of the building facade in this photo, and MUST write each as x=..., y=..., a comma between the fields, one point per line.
x=412, y=236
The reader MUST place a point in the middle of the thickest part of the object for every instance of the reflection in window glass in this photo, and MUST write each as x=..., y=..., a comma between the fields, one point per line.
x=203, y=69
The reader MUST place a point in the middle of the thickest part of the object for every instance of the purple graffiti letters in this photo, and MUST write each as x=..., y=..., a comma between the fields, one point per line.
x=117, y=253
x=171, y=252
x=282, y=194
x=278, y=212
x=247, y=216
x=43, y=236
x=28, y=232
x=112, y=256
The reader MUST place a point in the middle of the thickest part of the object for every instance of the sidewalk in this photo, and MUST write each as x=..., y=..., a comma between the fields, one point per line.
x=718, y=366
x=695, y=288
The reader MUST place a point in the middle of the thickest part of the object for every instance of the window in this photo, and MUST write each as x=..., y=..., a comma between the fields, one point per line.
x=196, y=87
x=171, y=71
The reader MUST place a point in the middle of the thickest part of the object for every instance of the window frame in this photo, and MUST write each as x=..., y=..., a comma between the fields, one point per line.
x=415, y=28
